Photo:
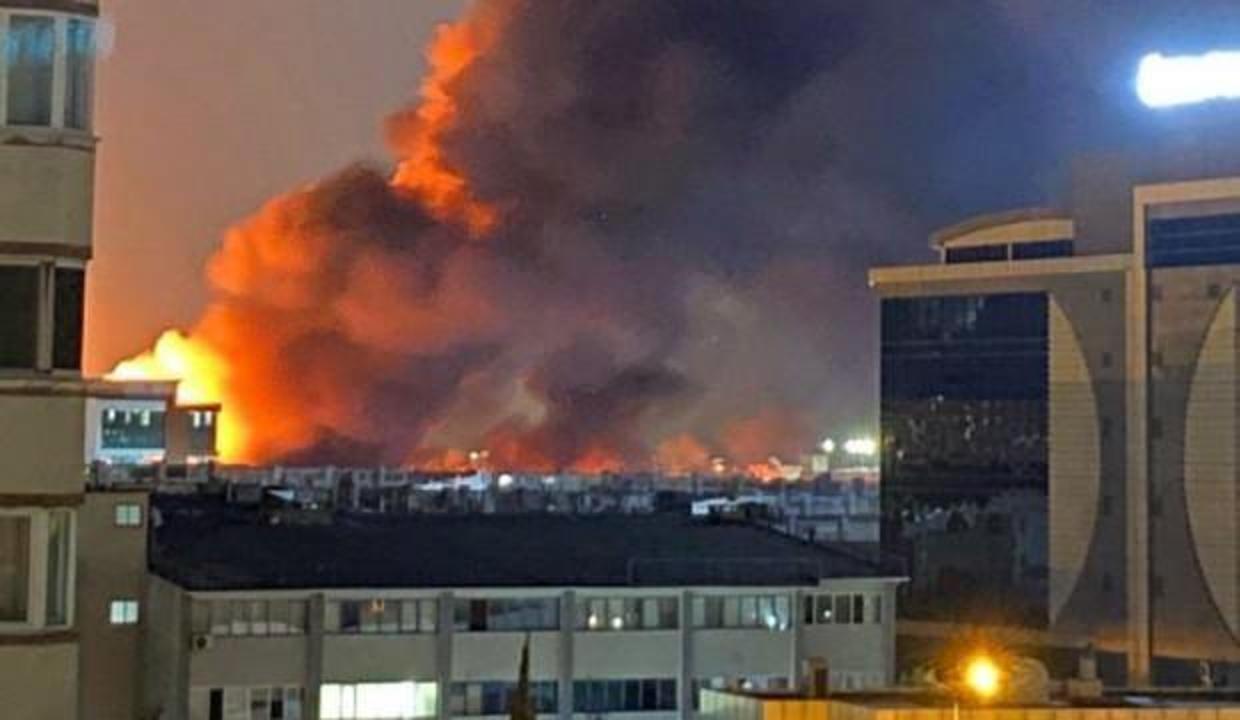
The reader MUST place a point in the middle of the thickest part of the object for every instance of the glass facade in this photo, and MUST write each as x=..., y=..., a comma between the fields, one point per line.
x=1185, y=241
x=964, y=459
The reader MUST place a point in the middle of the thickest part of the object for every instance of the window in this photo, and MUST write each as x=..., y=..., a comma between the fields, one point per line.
x=79, y=73
x=14, y=567
x=123, y=612
x=506, y=614
x=844, y=609
x=248, y=617
x=19, y=316
x=378, y=701
x=495, y=698
x=382, y=616
x=1042, y=249
x=247, y=703
x=128, y=515
x=981, y=253
x=605, y=696
x=132, y=429
x=771, y=612
x=31, y=51
x=59, y=561
x=1186, y=241
x=67, y=328
x=628, y=614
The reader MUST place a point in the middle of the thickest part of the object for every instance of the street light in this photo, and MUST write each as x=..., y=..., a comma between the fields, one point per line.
x=983, y=677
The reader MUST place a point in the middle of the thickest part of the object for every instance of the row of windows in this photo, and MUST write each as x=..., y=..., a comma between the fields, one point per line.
x=609, y=696
x=132, y=429
x=842, y=609
x=242, y=703
x=1016, y=251
x=391, y=616
x=32, y=63
x=495, y=698
x=20, y=290
x=378, y=701
x=770, y=612
x=382, y=616
x=1208, y=240
x=628, y=613
x=481, y=615
x=249, y=617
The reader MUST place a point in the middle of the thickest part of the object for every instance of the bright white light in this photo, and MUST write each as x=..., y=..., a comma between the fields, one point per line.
x=861, y=446
x=1166, y=81
x=505, y=480
x=617, y=623
x=828, y=446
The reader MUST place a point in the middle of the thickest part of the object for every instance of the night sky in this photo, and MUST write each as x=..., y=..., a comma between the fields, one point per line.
x=822, y=138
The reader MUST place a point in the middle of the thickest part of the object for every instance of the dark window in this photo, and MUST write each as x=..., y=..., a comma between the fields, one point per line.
x=1107, y=360
x=1206, y=240
x=615, y=696
x=505, y=614
x=495, y=698
x=980, y=253
x=67, y=338
x=19, y=316
x=964, y=412
x=1042, y=249
x=215, y=708
x=1107, y=295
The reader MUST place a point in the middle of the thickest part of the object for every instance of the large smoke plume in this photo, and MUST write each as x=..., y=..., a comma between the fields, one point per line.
x=614, y=236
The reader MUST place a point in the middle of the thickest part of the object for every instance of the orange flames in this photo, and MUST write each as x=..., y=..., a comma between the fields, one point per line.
x=419, y=139
x=202, y=380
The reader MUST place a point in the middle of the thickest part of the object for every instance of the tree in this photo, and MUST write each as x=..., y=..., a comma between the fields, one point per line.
x=521, y=704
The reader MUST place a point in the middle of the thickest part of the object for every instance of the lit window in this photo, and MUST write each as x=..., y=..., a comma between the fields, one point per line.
x=128, y=515
x=31, y=51
x=123, y=612
x=59, y=561
x=378, y=701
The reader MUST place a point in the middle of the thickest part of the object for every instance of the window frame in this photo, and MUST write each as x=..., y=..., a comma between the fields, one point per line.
x=124, y=605
x=37, y=566
x=121, y=518
x=60, y=83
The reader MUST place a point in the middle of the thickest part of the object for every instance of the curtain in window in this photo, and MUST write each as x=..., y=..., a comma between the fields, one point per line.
x=31, y=53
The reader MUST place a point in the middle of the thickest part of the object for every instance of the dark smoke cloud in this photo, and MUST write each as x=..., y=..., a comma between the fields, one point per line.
x=690, y=193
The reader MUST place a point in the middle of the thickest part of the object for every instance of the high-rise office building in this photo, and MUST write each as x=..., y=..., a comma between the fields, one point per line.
x=1060, y=417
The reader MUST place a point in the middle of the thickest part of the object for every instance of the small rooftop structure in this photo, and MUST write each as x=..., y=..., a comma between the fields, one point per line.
x=1025, y=234
x=201, y=543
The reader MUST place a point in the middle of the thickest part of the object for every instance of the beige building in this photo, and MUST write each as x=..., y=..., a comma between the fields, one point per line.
x=424, y=616
x=1087, y=358
x=922, y=705
x=72, y=557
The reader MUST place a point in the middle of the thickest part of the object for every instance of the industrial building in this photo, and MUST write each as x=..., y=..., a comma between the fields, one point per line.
x=1059, y=415
x=363, y=615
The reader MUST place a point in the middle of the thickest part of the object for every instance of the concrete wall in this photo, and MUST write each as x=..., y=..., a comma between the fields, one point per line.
x=37, y=681
x=43, y=439
x=111, y=565
x=46, y=195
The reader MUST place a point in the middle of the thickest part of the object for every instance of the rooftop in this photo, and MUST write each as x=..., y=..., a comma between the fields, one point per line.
x=928, y=699
x=204, y=544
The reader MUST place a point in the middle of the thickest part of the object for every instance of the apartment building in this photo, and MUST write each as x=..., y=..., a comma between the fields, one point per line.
x=372, y=616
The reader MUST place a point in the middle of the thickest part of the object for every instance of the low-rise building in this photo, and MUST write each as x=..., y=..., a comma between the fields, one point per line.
x=409, y=617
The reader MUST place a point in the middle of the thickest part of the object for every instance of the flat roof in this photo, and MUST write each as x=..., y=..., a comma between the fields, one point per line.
x=201, y=543
x=926, y=698
x=1020, y=225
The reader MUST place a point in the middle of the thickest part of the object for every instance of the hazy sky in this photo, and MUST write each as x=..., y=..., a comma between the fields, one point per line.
x=207, y=110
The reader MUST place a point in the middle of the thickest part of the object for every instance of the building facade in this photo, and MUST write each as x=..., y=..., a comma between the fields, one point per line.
x=1086, y=360
x=425, y=617
x=46, y=190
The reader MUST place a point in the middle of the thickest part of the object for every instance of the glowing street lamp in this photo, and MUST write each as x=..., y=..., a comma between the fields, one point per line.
x=828, y=446
x=983, y=677
x=864, y=447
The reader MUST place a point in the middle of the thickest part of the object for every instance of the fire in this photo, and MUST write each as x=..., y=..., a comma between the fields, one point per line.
x=201, y=376
x=420, y=134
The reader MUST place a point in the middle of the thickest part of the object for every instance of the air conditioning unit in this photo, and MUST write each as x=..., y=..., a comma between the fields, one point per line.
x=202, y=642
